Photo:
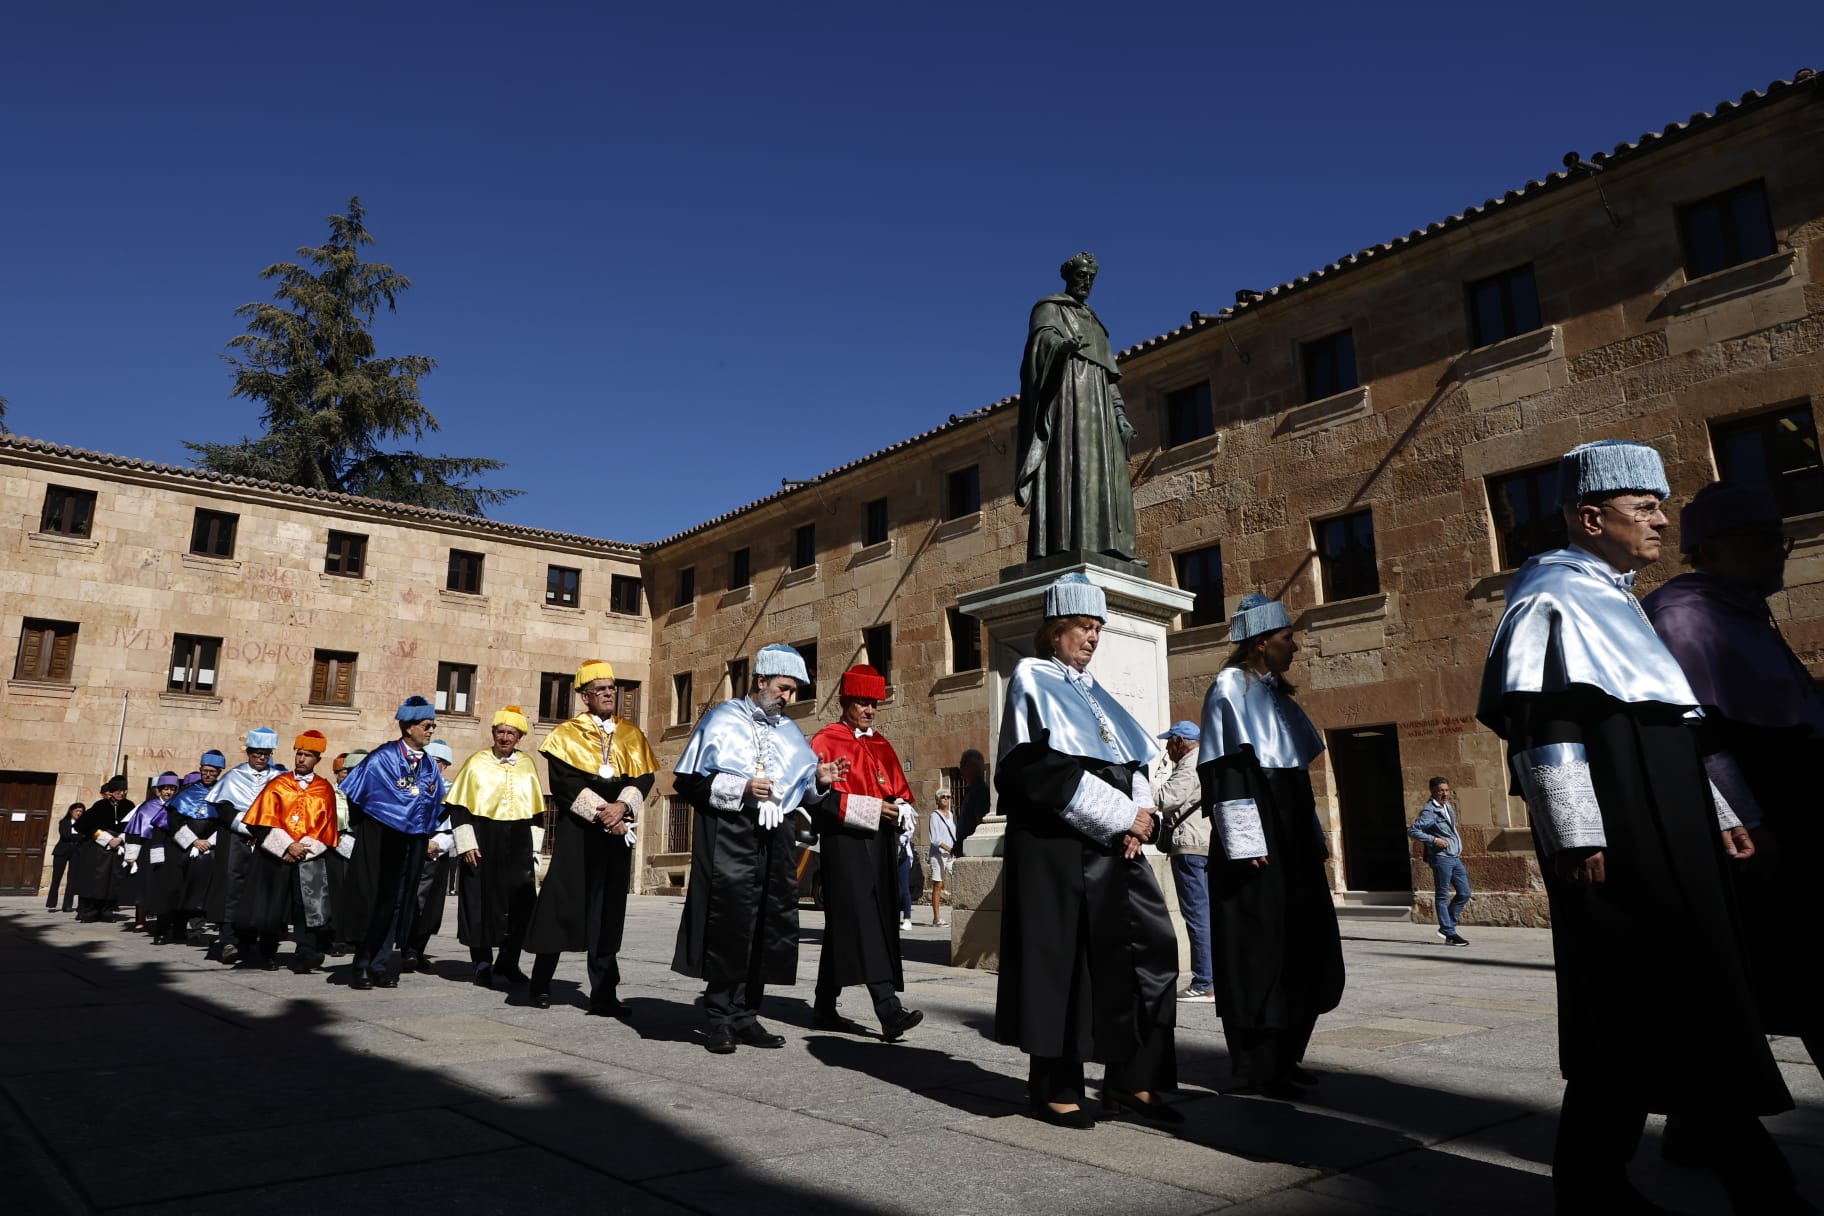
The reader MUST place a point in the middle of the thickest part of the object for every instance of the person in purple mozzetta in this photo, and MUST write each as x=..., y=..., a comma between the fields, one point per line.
x=395, y=799
x=1769, y=718
x=152, y=870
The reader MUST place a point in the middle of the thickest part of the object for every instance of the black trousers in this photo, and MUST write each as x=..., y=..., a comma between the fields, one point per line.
x=1060, y=1079
x=239, y=862
x=881, y=992
x=60, y=866
x=519, y=915
x=605, y=915
x=389, y=925
x=1266, y=1056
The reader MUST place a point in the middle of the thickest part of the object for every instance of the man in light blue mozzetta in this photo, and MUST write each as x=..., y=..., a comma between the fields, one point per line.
x=232, y=796
x=1436, y=826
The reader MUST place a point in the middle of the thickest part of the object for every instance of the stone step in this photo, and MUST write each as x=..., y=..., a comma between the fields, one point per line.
x=1347, y=911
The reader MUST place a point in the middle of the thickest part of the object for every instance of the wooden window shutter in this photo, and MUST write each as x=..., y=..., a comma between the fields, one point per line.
x=319, y=681
x=31, y=654
x=345, y=683
x=63, y=655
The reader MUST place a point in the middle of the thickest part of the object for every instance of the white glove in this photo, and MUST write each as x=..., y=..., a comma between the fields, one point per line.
x=771, y=814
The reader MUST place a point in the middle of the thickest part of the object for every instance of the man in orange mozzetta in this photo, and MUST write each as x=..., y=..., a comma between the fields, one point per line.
x=293, y=823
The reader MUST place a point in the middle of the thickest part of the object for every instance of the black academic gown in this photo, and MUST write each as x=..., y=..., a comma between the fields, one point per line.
x=95, y=874
x=1089, y=958
x=743, y=881
x=860, y=902
x=586, y=885
x=196, y=891
x=488, y=893
x=161, y=882
x=1275, y=947
x=1654, y=1007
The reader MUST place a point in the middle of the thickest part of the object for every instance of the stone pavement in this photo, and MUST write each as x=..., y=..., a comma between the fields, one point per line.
x=140, y=1079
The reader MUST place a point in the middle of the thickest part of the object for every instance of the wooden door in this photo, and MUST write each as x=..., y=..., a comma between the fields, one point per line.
x=25, y=828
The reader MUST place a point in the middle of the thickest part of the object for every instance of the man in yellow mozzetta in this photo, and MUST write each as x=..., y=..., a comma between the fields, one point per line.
x=493, y=801
x=601, y=770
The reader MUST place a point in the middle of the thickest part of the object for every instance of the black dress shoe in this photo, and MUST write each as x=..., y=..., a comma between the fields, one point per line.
x=269, y=964
x=1079, y=1120
x=360, y=980
x=230, y=955
x=753, y=1034
x=484, y=976
x=829, y=1019
x=410, y=961
x=159, y=939
x=721, y=1041
x=539, y=1000
x=1301, y=1076
x=386, y=979
x=307, y=960
x=1150, y=1108
x=896, y=1024
x=609, y=1007
x=513, y=975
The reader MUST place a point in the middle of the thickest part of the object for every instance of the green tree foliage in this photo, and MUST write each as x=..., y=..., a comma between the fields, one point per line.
x=328, y=402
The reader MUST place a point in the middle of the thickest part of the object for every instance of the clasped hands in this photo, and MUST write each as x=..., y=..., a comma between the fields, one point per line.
x=612, y=817
x=1586, y=867
x=1139, y=834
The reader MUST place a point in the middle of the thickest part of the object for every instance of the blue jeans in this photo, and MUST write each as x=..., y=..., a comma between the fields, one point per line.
x=1451, y=876
x=1191, y=875
x=905, y=888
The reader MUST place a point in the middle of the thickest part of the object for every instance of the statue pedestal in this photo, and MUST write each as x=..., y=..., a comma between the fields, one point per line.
x=1129, y=663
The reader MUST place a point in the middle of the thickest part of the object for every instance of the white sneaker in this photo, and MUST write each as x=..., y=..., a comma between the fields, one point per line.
x=905, y=922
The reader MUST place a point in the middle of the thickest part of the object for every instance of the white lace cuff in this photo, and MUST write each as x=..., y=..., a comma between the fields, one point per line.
x=276, y=842
x=443, y=841
x=184, y=838
x=465, y=839
x=727, y=791
x=631, y=798
x=1726, y=817
x=586, y=804
x=1099, y=810
x=1555, y=781
x=1237, y=822
x=345, y=846
x=861, y=811
x=1143, y=791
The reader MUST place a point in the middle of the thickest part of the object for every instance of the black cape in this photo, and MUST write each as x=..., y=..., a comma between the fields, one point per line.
x=1275, y=946
x=743, y=893
x=1089, y=958
x=590, y=871
x=1649, y=963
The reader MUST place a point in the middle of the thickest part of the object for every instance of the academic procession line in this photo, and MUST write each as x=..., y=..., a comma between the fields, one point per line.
x=1655, y=810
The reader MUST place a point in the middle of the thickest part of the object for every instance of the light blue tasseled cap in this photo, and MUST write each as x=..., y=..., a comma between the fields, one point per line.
x=263, y=737
x=1074, y=595
x=1610, y=466
x=781, y=660
x=437, y=749
x=1255, y=615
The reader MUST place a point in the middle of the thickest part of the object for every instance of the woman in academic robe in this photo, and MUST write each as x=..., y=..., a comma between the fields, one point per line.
x=494, y=800
x=1088, y=952
x=1278, y=956
x=151, y=873
x=293, y=825
x=94, y=875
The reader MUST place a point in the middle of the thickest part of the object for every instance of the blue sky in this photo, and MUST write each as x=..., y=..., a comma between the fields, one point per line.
x=666, y=258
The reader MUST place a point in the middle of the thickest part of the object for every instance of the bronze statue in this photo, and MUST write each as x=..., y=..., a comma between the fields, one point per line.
x=1074, y=433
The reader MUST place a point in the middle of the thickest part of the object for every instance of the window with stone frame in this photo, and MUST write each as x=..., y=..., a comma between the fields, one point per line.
x=212, y=533
x=877, y=645
x=682, y=707
x=1777, y=449
x=47, y=651
x=874, y=522
x=194, y=662
x=965, y=640
x=465, y=572
x=1345, y=556
x=739, y=677
x=556, y=696
x=1502, y=306
x=1200, y=573
x=345, y=555
x=625, y=594
x=629, y=697
x=332, y=678
x=1329, y=365
x=1726, y=229
x=963, y=492
x=1189, y=414
x=807, y=692
x=687, y=587
x=563, y=586
x=1524, y=508
x=456, y=688
x=804, y=546
x=67, y=511
x=740, y=568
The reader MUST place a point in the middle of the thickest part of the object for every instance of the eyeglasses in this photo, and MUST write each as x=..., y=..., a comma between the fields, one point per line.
x=1639, y=512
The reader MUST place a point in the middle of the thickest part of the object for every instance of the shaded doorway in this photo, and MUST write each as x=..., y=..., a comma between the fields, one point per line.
x=1365, y=763
x=25, y=829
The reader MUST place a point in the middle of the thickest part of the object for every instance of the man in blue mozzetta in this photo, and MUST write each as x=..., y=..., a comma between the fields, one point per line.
x=395, y=798
x=1437, y=827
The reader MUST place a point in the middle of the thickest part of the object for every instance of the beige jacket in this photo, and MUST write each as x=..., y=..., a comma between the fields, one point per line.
x=1179, y=795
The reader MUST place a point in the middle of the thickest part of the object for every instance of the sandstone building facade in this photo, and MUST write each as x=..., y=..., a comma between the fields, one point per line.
x=1371, y=441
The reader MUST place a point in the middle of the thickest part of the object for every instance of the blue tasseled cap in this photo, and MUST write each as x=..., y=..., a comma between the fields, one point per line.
x=415, y=709
x=262, y=738
x=213, y=757
x=1610, y=466
x=1074, y=595
x=1255, y=615
x=781, y=660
